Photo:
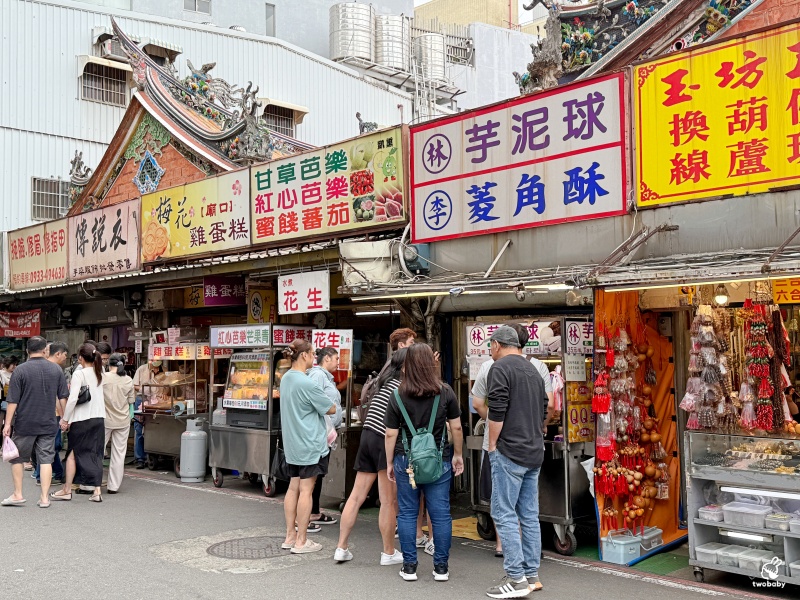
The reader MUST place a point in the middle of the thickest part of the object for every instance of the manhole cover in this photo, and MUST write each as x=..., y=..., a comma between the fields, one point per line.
x=249, y=548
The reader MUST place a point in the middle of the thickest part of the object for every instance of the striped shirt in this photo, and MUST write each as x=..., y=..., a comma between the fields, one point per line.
x=377, y=408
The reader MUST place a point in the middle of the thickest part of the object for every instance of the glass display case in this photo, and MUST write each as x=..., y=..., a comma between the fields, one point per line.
x=249, y=377
x=744, y=505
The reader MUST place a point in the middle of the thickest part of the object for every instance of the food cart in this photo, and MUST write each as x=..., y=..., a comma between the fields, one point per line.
x=177, y=394
x=569, y=439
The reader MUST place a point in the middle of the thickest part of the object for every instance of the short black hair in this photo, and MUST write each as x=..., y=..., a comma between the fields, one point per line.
x=36, y=344
x=57, y=347
x=103, y=348
x=522, y=333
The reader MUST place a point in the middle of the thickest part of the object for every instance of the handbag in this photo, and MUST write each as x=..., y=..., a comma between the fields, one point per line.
x=280, y=468
x=84, y=394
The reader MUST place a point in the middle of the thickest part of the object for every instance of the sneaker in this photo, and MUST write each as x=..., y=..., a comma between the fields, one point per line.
x=421, y=542
x=396, y=534
x=342, y=555
x=409, y=572
x=508, y=588
x=140, y=465
x=430, y=548
x=440, y=573
x=391, y=559
x=534, y=584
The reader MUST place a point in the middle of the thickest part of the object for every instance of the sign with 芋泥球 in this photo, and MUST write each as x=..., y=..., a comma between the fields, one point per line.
x=721, y=119
x=553, y=157
x=104, y=242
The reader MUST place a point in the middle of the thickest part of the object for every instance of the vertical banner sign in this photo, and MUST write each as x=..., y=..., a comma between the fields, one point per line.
x=553, y=157
x=104, y=241
x=37, y=256
x=20, y=324
x=261, y=305
x=719, y=120
x=212, y=215
x=221, y=290
x=580, y=337
x=351, y=185
x=304, y=293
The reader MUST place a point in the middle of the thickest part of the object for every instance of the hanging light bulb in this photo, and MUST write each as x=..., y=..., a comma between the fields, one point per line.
x=721, y=295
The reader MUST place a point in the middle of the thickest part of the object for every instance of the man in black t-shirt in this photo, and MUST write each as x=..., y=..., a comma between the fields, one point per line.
x=34, y=389
x=517, y=411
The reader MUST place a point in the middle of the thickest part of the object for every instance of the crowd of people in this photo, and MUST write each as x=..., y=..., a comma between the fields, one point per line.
x=411, y=443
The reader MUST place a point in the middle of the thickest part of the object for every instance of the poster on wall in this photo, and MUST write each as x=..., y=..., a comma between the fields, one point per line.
x=208, y=216
x=104, y=241
x=352, y=185
x=722, y=119
x=37, y=255
x=553, y=157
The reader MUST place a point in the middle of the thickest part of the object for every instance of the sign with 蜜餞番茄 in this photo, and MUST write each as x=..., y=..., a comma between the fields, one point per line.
x=553, y=157
x=352, y=185
x=104, y=242
x=719, y=120
x=208, y=216
x=37, y=255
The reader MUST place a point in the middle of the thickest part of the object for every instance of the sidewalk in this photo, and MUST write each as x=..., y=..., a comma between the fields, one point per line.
x=160, y=538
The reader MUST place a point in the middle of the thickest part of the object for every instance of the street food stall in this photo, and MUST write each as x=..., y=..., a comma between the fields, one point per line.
x=565, y=345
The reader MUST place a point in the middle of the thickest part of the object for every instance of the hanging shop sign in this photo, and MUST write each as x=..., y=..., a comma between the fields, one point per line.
x=719, y=120
x=193, y=297
x=20, y=324
x=185, y=352
x=352, y=185
x=104, y=241
x=239, y=336
x=212, y=215
x=580, y=337
x=786, y=291
x=261, y=305
x=552, y=157
x=37, y=255
x=220, y=290
x=340, y=339
x=580, y=418
x=304, y=293
x=544, y=338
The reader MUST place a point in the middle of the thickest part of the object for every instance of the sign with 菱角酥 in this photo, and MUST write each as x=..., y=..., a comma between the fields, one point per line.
x=352, y=185
x=37, y=255
x=552, y=157
x=104, y=241
x=719, y=120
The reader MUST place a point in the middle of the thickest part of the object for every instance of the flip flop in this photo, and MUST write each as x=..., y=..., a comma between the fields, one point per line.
x=11, y=502
x=62, y=498
x=95, y=498
x=40, y=504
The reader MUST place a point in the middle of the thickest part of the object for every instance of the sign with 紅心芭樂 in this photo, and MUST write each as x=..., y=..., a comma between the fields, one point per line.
x=552, y=157
x=104, y=241
x=722, y=119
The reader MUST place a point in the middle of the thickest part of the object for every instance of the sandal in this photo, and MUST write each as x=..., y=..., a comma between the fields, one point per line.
x=95, y=498
x=61, y=496
x=41, y=504
x=324, y=520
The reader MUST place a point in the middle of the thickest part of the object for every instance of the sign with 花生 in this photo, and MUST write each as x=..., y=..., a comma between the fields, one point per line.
x=352, y=185
x=304, y=293
x=552, y=157
x=340, y=340
x=20, y=324
x=104, y=241
x=544, y=338
x=723, y=119
x=211, y=215
x=37, y=255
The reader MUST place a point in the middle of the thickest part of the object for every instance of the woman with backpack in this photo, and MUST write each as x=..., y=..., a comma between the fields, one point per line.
x=370, y=464
x=416, y=433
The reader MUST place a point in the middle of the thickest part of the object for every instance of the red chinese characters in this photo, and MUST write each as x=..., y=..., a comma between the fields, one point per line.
x=676, y=89
x=750, y=73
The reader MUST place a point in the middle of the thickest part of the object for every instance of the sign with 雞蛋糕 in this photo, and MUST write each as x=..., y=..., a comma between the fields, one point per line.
x=104, y=242
x=720, y=119
x=222, y=290
x=552, y=157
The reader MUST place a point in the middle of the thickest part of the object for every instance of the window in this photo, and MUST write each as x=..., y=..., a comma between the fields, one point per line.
x=270, y=20
x=105, y=84
x=201, y=6
x=49, y=199
x=279, y=119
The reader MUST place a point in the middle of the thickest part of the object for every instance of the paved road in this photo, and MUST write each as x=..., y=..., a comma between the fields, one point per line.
x=151, y=541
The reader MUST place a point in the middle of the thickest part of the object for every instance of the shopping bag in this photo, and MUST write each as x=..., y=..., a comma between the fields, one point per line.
x=10, y=451
x=280, y=469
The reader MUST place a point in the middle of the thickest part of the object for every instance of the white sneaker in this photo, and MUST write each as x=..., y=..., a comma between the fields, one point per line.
x=422, y=541
x=391, y=559
x=343, y=555
x=429, y=548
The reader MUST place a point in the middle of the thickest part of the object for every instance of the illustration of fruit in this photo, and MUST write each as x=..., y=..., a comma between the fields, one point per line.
x=155, y=241
x=388, y=165
x=364, y=208
x=361, y=154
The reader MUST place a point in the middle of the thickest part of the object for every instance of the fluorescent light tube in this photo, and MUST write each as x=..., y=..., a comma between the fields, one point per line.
x=752, y=492
x=366, y=313
x=740, y=535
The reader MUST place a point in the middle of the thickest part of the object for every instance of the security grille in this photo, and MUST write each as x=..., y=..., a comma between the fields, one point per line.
x=49, y=199
x=279, y=119
x=105, y=84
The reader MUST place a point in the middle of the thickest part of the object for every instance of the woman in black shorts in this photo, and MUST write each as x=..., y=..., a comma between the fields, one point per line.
x=370, y=464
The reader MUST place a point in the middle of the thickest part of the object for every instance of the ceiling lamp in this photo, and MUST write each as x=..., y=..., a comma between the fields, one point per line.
x=721, y=295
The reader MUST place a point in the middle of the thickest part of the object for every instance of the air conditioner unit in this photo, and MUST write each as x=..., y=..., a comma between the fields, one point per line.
x=112, y=50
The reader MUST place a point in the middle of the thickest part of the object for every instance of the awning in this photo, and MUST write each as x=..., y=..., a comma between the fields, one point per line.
x=101, y=33
x=299, y=111
x=84, y=59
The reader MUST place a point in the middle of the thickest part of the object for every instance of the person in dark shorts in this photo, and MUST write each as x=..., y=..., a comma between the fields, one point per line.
x=370, y=464
x=34, y=389
x=303, y=409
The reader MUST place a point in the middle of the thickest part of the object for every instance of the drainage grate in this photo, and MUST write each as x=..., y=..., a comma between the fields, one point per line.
x=249, y=548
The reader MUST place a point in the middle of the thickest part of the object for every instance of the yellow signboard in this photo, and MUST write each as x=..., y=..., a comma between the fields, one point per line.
x=352, y=185
x=786, y=291
x=261, y=305
x=719, y=120
x=212, y=215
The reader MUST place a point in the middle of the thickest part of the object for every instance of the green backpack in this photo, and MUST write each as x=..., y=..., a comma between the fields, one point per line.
x=424, y=455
